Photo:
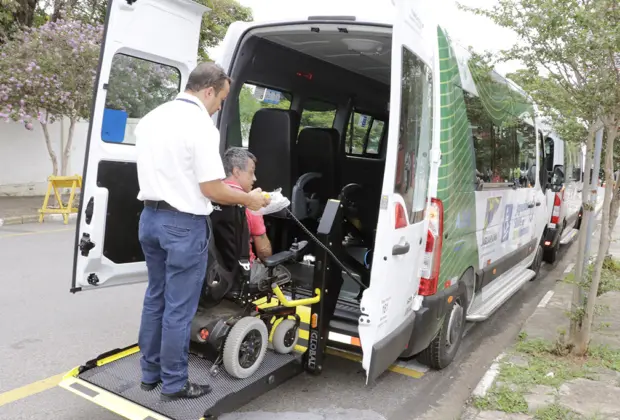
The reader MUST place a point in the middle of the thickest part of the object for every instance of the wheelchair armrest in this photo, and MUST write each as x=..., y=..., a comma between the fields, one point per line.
x=278, y=258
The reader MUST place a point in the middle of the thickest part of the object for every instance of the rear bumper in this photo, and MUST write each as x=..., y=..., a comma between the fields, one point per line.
x=427, y=322
x=551, y=237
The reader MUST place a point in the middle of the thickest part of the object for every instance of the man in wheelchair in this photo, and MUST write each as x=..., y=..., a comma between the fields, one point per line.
x=231, y=327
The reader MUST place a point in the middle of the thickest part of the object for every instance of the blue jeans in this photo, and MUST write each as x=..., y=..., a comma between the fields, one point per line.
x=175, y=246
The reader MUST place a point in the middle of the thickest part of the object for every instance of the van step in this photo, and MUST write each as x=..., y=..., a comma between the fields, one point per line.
x=569, y=236
x=498, y=292
x=343, y=327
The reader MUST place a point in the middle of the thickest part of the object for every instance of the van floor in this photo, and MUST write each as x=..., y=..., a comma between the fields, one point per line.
x=122, y=377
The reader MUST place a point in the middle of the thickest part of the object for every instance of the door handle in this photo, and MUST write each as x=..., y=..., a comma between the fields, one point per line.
x=401, y=249
x=530, y=206
x=537, y=203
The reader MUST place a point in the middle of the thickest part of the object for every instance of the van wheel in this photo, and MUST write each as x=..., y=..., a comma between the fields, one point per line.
x=551, y=254
x=285, y=336
x=442, y=350
x=245, y=347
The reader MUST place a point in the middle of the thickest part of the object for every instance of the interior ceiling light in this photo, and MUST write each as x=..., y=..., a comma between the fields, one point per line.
x=363, y=45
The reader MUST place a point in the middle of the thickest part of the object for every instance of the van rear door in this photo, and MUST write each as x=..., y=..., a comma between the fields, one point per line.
x=388, y=305
x=149, y=48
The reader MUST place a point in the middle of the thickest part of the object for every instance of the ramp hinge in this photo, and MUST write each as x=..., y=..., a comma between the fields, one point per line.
x=85, y=244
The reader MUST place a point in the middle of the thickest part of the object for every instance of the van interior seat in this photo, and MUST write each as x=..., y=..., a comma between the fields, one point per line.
x=318, y=171
x=272, y=140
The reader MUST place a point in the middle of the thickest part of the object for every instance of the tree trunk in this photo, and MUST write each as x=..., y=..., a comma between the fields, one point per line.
x=66, y=154
x=50, y=149
x=578, y=295
x=584, y=337
x=24, y=16
x=614, y=209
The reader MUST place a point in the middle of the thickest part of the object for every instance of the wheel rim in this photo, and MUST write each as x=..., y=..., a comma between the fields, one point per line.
x=289, y=338
x=454, y=324
x=250, y=349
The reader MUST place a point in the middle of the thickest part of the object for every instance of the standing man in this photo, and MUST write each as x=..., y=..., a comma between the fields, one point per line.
x=179, y=171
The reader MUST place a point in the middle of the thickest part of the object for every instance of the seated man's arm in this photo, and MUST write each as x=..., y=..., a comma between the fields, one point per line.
x=262, y=246
x=258, y=232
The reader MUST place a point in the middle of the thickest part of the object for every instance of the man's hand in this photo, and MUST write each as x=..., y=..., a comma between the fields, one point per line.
x=257, y=199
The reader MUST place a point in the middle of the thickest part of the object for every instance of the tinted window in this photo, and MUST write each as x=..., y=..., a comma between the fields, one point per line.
x=135, y=88
x=364, y=135
x=317, y=114
x=415, y=134
x=251, y=99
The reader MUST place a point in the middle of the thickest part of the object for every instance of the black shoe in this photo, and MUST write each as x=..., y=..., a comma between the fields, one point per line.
x=190, y=390
x=149, y=387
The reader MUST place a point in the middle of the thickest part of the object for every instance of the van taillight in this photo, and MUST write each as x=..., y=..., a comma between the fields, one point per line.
x=401, y=219
x=429, y=272
x=555, y=215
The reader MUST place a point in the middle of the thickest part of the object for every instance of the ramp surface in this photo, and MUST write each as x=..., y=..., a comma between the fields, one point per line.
x=122, y=377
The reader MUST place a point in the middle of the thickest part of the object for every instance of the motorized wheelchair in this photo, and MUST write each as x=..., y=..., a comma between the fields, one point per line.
x=237, y=313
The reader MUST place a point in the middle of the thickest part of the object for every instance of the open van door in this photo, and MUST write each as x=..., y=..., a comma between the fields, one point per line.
x=388, y=306
x=149, y=48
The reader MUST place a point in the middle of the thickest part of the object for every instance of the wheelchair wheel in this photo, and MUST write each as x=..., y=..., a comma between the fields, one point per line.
x=245, y=347
x=285, y=336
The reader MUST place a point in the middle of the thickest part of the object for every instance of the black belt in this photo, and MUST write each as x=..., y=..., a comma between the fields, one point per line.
x=159, y=205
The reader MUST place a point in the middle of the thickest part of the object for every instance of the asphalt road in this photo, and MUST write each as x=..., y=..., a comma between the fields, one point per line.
x=46, y=331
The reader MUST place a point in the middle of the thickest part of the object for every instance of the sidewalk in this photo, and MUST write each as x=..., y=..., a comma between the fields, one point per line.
x=537, y=379
x=18, y=210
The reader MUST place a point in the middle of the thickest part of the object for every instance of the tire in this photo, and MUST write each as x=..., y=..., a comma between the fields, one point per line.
x=537, y=262
x=442, y=350
x=247, y=328
x=283, y=340
x=551, y=254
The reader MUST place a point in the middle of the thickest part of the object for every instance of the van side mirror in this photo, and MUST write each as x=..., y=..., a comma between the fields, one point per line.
x=558, y=176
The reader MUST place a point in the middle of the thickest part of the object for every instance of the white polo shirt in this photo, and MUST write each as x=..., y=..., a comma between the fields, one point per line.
x=177, y=147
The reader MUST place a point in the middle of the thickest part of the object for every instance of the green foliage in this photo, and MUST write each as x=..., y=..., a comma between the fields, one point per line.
x=48, y=72
x=573, y=42
x=215, y=23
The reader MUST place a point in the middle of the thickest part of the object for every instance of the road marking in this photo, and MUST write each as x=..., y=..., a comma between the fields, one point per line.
x=569, y=268
x=30, y=389
x=488, y=378
x=402, y=369
x=545, y=300
x=12, y=235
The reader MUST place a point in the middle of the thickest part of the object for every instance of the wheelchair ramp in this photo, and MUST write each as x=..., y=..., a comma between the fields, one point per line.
x=122, y=377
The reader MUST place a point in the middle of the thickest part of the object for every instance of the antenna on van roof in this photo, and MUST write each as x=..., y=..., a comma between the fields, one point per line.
x=351, y=18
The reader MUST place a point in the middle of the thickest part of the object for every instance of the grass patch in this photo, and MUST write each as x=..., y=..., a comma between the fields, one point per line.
x=556, y=412
x=502, y=399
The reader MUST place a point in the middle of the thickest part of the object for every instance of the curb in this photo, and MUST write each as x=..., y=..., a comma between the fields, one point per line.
x=34, y=218
x=488, y=378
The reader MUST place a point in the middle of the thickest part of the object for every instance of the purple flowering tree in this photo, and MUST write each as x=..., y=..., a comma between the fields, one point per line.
x=48, y=73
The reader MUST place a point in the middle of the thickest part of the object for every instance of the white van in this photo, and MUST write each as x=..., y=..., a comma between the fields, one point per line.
x=563, y=163
x=431, y=211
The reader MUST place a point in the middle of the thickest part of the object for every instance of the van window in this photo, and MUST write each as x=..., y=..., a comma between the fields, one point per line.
x=415, y=134
x=255, y=97
x=364, y=137
x=317, y=114
x=505, y=151
x=135, y=87
x=526, y=149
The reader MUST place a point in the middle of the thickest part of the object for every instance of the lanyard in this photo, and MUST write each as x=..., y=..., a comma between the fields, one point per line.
x=188, y=101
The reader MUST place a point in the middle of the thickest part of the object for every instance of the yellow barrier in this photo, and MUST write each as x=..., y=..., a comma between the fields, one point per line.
x=56, y=183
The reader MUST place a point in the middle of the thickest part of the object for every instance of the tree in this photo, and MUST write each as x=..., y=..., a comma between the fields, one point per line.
x=48, y=73
x=574, y=42
x=215, y=23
